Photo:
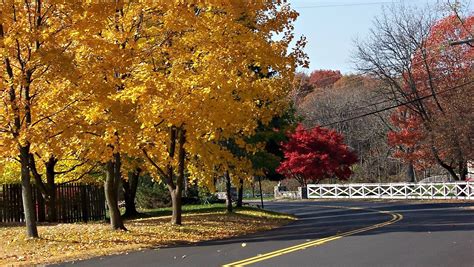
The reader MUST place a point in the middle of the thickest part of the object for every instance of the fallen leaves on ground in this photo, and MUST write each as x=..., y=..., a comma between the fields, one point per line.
x=63, y=242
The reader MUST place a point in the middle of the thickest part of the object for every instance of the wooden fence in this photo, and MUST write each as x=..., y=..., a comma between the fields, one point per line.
x=74, y=203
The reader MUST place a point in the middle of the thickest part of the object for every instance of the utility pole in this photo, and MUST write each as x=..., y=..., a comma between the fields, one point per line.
x=261, y=193
x=455, y=7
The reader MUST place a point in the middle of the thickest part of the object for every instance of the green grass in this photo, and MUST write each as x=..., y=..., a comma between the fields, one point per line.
x=186, y=209
x=213, y=208
x=258, y=198
x=255, y=212
x=158, y=212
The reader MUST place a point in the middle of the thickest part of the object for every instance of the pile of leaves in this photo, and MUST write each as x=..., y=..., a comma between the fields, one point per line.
x=66, y=242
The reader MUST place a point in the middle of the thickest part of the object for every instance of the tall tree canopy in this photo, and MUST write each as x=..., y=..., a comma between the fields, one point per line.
x=410, y=51
x=165, y=81
x=39, y=81
x=443, y=125
x=205, y=86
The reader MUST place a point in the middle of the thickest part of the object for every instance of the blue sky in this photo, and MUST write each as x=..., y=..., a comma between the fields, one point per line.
x=331, y=27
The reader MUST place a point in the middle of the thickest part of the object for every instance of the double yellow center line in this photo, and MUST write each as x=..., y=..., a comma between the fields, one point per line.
x=395, y=218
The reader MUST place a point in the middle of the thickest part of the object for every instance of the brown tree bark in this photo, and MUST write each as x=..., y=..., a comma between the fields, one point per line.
x=111, y=192
x=23, y=149
x=240, y=193
x=48, y=189
x=51, y=209
x=411, y=173
x=463, y=170
x=175, y=188
x=228, y=201
x=130, y=191
x=261, y=192
x=253, y=188
x=26, y=193
x=177, y=194
x=446, y=166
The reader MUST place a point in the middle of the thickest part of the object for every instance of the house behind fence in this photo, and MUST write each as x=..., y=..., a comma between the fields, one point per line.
x=74, y=203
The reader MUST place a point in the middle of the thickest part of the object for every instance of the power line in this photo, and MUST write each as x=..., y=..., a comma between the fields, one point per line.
x=460, y=42
x=408, y=95
x=347, y=5
x=428, y=48
x=394, y=106
x=389, y=100
x=357, y=78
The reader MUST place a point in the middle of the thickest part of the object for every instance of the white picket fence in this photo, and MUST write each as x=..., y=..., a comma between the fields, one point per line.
x=447, y=190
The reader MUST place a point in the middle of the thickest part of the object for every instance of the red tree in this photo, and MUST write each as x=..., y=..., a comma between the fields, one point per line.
x=316, y=154
x=409, y=139
x=324, y=78
x=440, y=127
x=301, y=87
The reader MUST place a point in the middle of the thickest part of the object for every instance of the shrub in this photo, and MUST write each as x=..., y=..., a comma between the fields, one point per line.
x=152, y=194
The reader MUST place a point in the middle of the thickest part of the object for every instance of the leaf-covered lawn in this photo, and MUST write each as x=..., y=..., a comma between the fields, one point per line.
x=60, y=242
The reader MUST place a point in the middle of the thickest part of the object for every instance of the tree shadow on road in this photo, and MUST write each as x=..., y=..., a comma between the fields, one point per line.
x=320, y=222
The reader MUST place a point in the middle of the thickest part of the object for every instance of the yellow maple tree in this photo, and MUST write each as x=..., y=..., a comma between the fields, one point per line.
x=167, y=81
x=39, y=81
x=213, y=71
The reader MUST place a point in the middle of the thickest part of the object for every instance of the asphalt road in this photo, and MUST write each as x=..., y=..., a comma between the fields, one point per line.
x=406, y=234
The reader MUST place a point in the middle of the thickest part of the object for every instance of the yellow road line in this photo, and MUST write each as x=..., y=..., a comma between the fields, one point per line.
x=395, y=218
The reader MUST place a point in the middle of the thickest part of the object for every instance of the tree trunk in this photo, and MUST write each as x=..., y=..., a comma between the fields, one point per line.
x=177, y=193
x=261, y=192
x=48, y=189
x=411, y=173
x=440, y=162
x=51, y=213
x=462, y=170
x=228, y=201
x=41, y=188
x=22, y=120
x=176, y=206
x=26, y=193
x=50, y=199
x=40, y=206
x=176, y=189
x=167, y=174
x=240, y=193
x=186, y=187
x=111, y=192
x=253, y=188
x=130, y=192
